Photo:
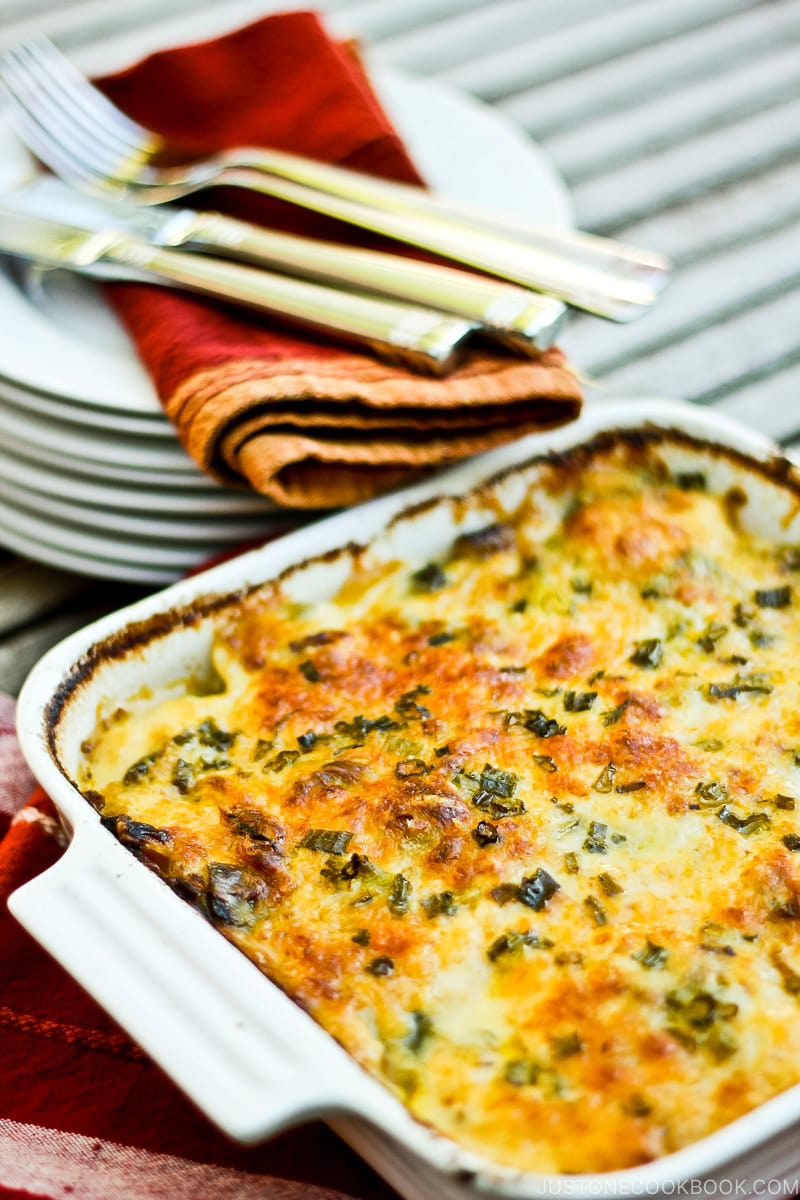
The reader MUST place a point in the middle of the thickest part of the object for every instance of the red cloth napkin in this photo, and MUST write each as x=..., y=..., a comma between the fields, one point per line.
x=304, y=420
x=83, y=1112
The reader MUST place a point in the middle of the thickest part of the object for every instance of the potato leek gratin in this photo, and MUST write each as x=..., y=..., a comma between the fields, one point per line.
x=517, y=825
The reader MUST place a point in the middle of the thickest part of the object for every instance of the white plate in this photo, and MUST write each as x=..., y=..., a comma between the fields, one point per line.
x=61, y=338
x=164, y=526
x=62, y=409
x=188, y=503
x=90, y=444
x=190, y=479
x=113, y=548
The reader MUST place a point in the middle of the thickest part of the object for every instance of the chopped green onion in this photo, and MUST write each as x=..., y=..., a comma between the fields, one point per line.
x=380, y=966
x=309, y=671
x=652, y=957
x=567, y=1046
x=754, y=823
x=571, y=865
x=486, y=834
x=421, y=1030
x=777, y=597
x=579, y=701
x=609, y=884
x=605, y=780
x=281, y=761
x=635, y=786
x=708, y=639
x=595, y=843
x=545, y=763
x=361, y=937
x=441, y=905
x=140, y=769
x=399, y=896
x=648, y=653
x=441, y=639
x=327, y=841
x=409, y=768
x=430, y=578
x=596, y=909
x=612, y=715
x=791, y=841
x=537, y=889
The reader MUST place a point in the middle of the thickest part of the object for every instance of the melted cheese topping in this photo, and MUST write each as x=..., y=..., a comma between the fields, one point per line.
x=518, y=827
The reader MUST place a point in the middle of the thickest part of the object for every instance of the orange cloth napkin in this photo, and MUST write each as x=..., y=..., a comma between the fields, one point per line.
x=304, y=420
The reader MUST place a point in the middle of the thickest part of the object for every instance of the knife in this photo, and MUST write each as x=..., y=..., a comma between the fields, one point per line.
x=422, y=338
x=519, y=318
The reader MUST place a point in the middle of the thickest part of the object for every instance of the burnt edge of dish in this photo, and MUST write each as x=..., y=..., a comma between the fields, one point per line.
x=776, y=469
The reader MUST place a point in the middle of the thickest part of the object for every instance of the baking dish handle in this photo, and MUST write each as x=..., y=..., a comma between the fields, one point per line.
x=238, y=1047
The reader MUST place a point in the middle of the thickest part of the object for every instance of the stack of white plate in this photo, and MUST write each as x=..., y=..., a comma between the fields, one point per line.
x=92, y=476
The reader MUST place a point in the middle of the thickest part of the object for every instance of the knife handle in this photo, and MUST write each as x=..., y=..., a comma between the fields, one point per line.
x=580, y=284
x=516, y=316
x=422, y=338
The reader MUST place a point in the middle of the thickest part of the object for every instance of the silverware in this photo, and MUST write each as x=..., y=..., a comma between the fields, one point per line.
x=422, y=338
x=523, y=320
x=83, y=138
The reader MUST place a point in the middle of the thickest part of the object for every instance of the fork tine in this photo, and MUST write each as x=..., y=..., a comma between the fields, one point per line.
x=62, y=137
x=84, y=96
x=61, y=111
x=39, y=139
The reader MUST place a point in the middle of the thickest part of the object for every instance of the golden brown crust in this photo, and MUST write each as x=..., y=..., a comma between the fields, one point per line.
x=519, y=827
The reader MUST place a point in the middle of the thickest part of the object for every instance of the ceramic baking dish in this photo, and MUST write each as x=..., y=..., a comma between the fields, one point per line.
x=241, y=1049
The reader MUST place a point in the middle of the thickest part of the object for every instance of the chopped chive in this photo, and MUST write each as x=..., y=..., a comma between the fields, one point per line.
x=595, y=843
x=430, y=578
x=567, y=1046
x=579, y=701
x=443, y=904
x=281, y=761
x=545, y=763
x=421, y=1030
x=596, y=909
x=690, y=481
x=380, y=966
x=754, y=823
x=327, y=841
x=486, y=834
x=609, y=884
x=777, y=597
x=648, y=653
x=712, y=634
x=537, y=889
x=652, y=957
x=399, y=896
x=605, y=780
x=409, y=768
x=612, y=715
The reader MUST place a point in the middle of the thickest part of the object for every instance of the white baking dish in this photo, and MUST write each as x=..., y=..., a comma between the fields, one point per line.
x=246, y=1055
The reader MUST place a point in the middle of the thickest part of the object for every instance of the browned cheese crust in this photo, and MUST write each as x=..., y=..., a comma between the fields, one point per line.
x=517, y=826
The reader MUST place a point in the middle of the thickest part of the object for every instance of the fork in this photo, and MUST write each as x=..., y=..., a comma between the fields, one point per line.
x=82, y=137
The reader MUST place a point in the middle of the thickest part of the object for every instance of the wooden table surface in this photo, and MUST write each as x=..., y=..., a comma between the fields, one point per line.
x=676, y=124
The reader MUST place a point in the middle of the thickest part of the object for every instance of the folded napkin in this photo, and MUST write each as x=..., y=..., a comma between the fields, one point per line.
x=302, y=419
x=83, y=1112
